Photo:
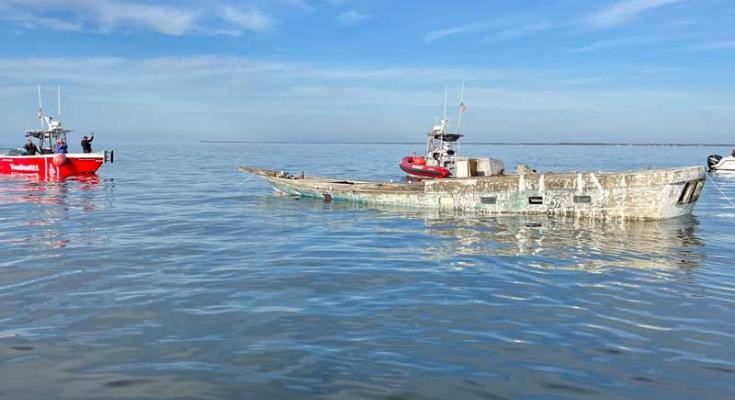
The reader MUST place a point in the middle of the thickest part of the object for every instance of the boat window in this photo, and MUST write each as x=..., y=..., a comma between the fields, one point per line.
x=583, y=199
x=682, y=196
x=686, y=193
x=690, y=192
x=697, y=191
x=488, y=200
x=535, y=200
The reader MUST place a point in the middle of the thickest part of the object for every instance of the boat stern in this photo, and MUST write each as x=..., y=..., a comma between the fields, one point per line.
x=680, y=192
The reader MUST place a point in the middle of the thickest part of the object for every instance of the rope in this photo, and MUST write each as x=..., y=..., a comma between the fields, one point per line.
x=125, y=157
x=720, y=190
x=245, y=180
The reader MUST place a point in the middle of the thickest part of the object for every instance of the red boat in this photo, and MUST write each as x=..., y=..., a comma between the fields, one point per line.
x=442, y=150
x=416, y=167
x=440, y=159
x=45, y=162
x=53, y=165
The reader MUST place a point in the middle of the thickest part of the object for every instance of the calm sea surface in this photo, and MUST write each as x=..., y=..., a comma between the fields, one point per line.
x=171, y=275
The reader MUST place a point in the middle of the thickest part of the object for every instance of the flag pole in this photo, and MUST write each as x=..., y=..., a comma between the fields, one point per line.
x=461, y=108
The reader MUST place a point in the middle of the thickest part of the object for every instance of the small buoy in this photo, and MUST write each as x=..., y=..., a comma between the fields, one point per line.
x=59, y=160
x=419, y=161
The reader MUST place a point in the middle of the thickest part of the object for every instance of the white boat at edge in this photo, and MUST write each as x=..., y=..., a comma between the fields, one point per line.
x=718, y=163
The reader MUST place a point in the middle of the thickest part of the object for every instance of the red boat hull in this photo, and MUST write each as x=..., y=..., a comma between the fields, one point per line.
x=44, y=165
x=418, y=169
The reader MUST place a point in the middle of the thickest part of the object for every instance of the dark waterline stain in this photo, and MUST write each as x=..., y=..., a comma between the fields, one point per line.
x=120, y=383
x=569, y=388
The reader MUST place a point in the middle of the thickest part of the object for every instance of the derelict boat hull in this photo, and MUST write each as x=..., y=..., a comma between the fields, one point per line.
x=637, y=195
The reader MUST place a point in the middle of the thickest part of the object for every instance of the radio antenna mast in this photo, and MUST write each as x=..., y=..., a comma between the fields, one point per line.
x=40, y=106
x=445, y=101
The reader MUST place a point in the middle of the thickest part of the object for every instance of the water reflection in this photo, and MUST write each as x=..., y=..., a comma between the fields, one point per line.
x=43, y=208
x=578, y=243
x=550, y=242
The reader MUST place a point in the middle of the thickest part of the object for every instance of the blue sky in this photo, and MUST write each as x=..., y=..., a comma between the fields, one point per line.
x=351, y=70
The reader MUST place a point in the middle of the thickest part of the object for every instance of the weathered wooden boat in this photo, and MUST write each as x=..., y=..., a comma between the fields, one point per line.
x=449, y=181
x=636, y=195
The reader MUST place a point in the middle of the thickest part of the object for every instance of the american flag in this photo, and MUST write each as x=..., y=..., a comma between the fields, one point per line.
x=461, y=107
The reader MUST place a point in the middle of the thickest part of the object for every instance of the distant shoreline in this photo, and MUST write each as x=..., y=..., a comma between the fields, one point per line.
x=490, y=143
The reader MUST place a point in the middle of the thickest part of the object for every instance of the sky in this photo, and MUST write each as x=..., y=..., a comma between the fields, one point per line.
x=636, y=71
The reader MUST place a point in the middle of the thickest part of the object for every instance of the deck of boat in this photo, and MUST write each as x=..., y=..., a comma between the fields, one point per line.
x=338, y=184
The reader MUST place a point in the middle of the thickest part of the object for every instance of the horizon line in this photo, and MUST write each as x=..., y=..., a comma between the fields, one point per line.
x=483, y=143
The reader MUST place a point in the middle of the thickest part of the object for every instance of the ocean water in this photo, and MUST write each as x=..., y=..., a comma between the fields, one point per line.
x=171, y=275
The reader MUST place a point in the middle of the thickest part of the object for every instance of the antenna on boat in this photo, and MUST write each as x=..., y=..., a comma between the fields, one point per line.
x=445, y=102
x=40, y=106
x=58, y=99
x=460, y=110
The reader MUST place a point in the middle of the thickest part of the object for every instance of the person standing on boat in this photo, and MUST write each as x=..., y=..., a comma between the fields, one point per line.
x=446, y=149
x=30, y=148
x=87, y=144
x=61, y=147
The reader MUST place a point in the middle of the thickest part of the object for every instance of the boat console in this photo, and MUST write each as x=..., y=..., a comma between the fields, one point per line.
x=468, y=167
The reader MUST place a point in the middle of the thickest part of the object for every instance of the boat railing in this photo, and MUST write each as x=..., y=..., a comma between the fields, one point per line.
x=11, y=151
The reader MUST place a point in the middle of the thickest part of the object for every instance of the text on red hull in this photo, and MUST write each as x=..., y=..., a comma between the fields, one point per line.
x=52, y=165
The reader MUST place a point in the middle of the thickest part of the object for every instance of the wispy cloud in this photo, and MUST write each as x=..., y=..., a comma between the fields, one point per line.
x=105, y=16
x=169, y=20
x=250, y=19
x=716, y=45
x=631, y=41
x=439, y=34
x=351, y=18
x=602, y=45
x=623, y=11
x=496, y=30
x=29, y=22
x=521, y=31
x=661, y=41
x=301, y=4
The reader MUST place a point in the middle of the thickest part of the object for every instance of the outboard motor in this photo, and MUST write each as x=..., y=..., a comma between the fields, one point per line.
x=713, y=160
